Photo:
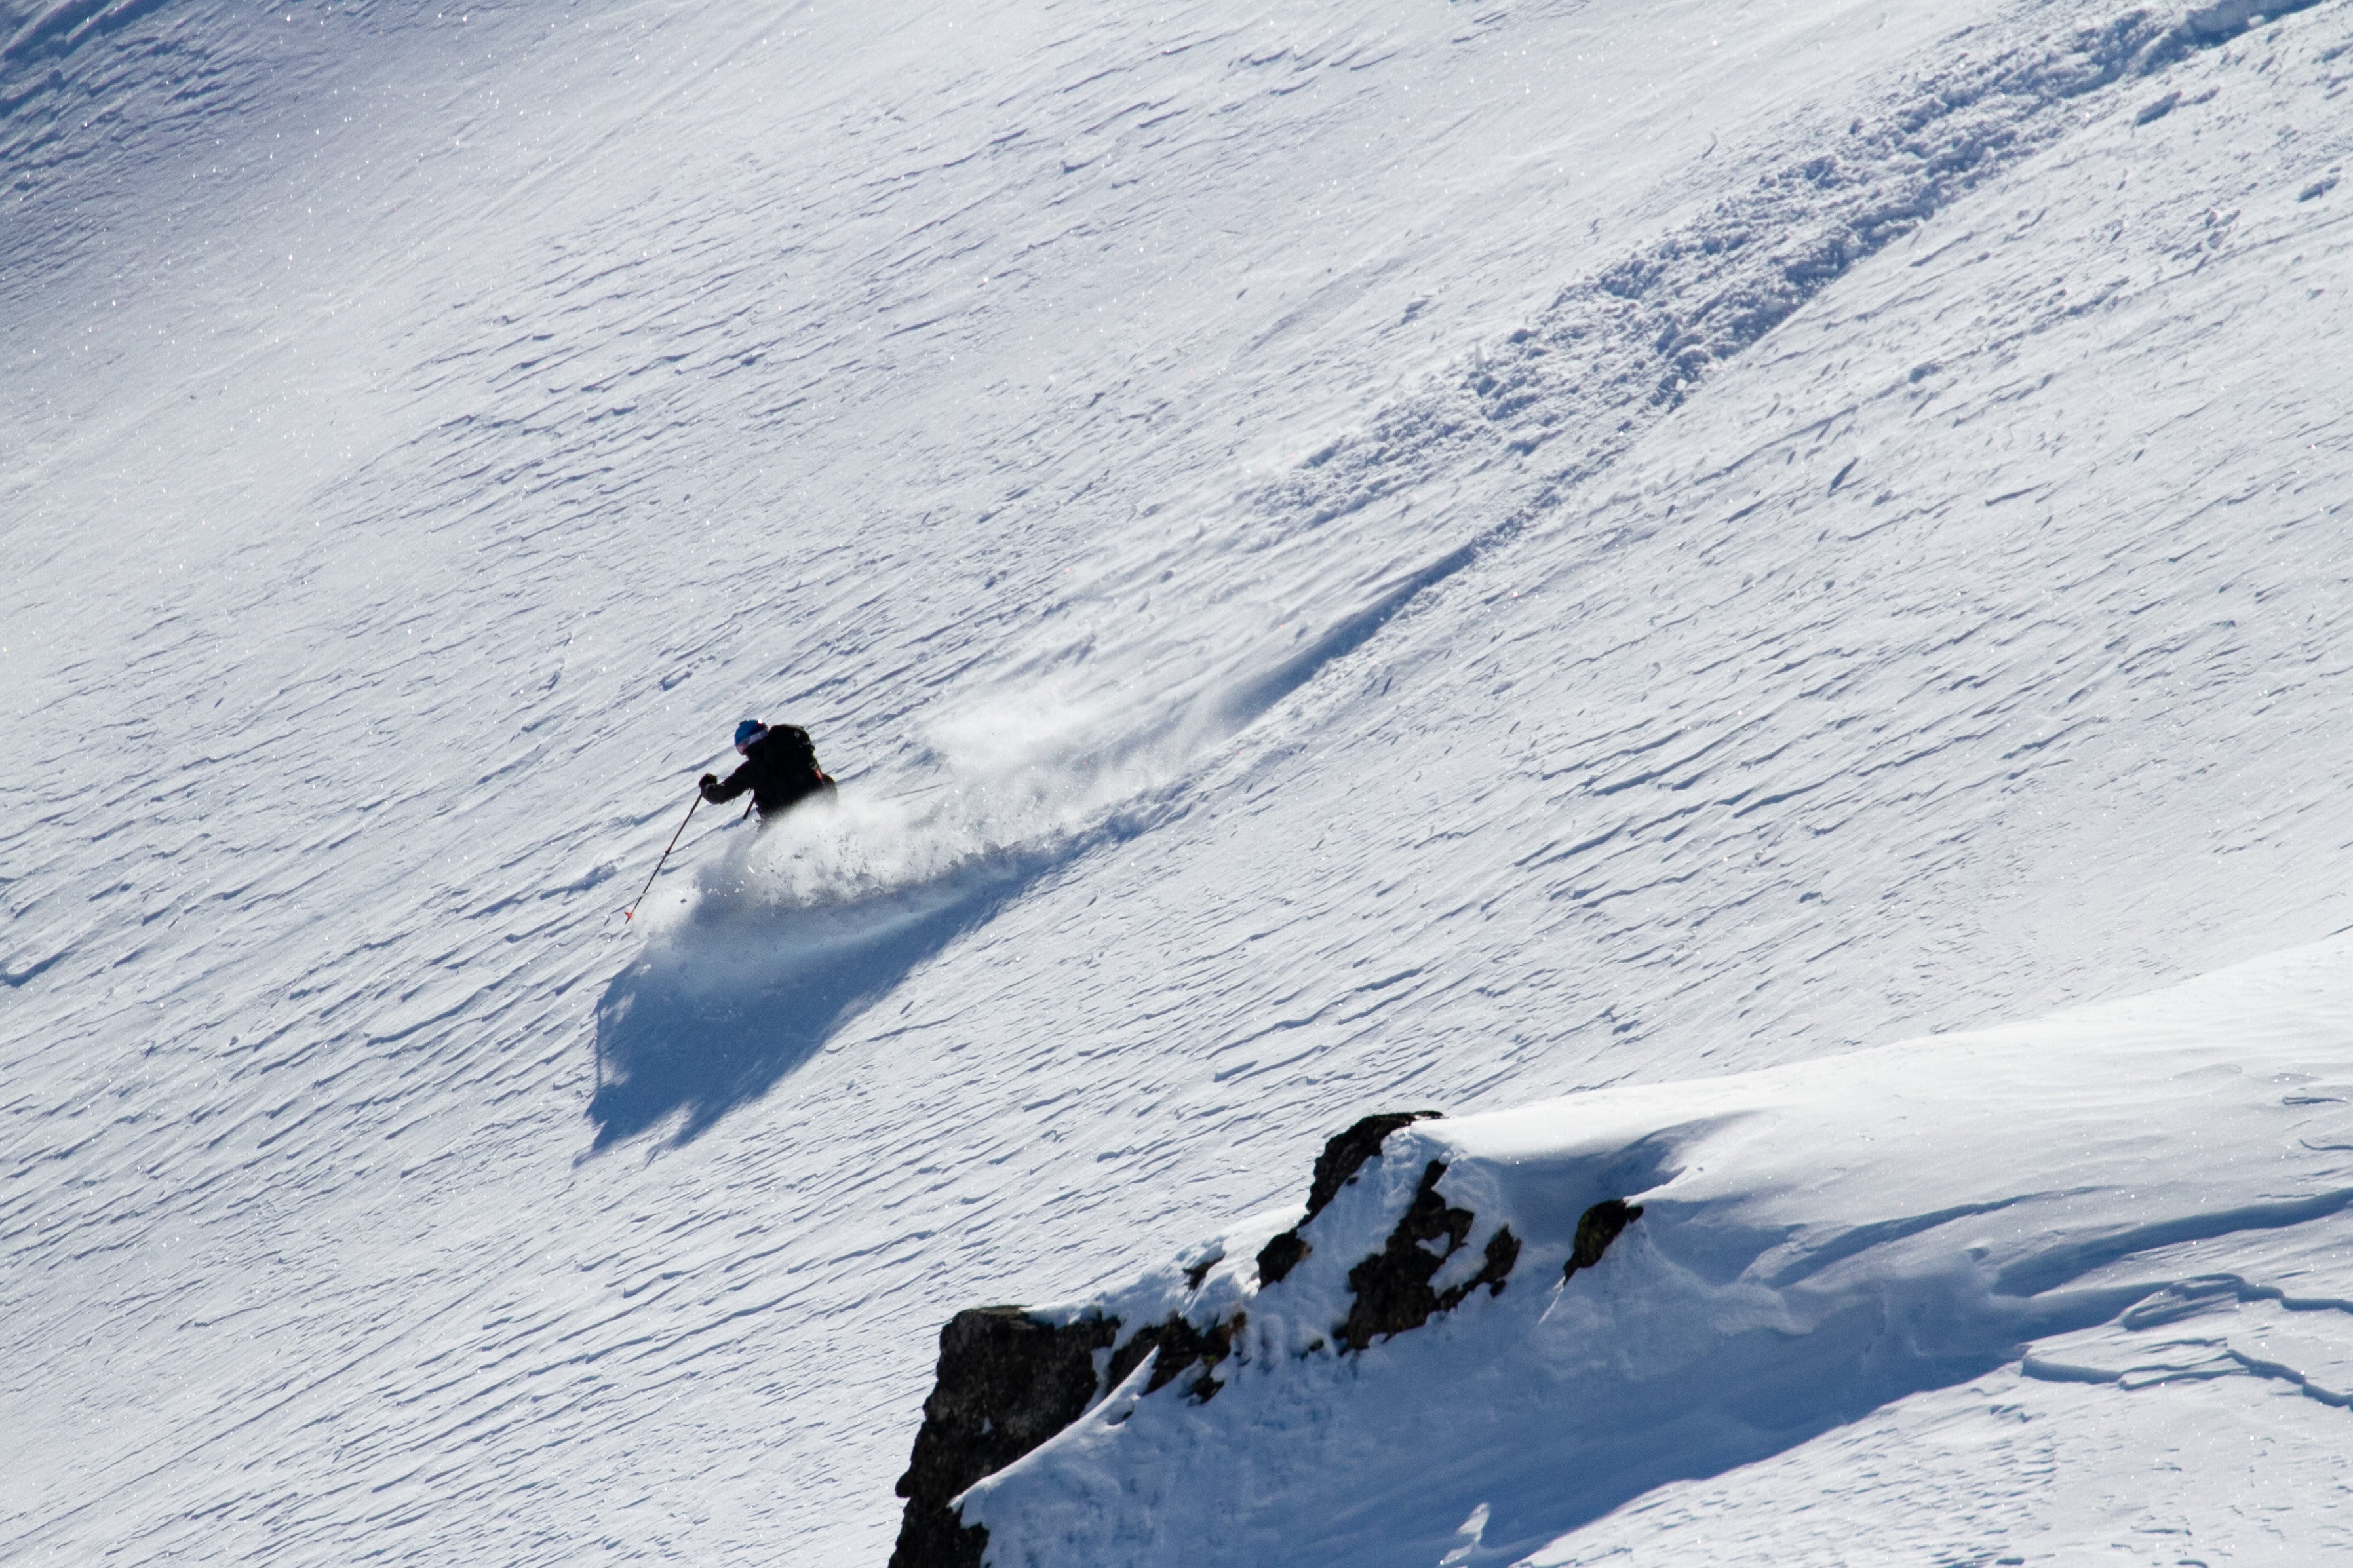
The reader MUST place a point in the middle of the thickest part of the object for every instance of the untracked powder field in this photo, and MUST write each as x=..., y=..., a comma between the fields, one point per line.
x=1589, y=783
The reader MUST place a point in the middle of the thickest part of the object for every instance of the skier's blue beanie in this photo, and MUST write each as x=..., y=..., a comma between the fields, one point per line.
x=749, y=730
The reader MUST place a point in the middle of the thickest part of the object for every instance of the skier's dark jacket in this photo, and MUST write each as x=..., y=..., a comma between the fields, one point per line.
x=779, y=769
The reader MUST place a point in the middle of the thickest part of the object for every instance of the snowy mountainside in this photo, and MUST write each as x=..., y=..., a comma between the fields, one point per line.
x=2131, y=1199
x=1244, y=463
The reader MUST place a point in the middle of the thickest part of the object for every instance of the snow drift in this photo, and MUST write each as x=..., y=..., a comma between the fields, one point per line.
x=2137, y=1194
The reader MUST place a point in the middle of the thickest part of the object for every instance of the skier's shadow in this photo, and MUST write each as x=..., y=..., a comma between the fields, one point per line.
x=713, y=1015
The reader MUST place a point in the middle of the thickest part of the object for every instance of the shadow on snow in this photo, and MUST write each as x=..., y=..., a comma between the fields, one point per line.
x=721, y=1007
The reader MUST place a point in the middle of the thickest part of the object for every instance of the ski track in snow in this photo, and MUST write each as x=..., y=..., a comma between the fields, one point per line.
x=1440, y=559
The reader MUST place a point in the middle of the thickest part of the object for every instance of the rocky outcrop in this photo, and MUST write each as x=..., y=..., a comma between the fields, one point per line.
x=1597, y=1227
x=1182, y=1347
x=1007, y=1382
x=1392, y=1287
x=1342, y=1158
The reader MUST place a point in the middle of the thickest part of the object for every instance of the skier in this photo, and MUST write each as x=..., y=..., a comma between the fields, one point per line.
x=779, y=769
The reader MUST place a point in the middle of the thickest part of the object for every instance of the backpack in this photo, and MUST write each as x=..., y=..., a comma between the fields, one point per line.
x=800, y=748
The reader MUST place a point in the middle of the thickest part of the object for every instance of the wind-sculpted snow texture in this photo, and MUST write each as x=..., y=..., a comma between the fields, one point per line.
x=1381, y=557
x=1818, y=1242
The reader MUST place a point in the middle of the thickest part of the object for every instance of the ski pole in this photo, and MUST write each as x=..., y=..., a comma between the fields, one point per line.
x=631, y=912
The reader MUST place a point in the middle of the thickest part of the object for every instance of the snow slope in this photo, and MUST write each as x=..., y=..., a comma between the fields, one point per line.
x=2125, y=1202
x=1437, y=557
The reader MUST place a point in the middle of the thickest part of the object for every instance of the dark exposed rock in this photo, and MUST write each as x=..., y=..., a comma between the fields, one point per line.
x=1344, y=1155
x=1006, y=1383
x=1392, y=1287
x=1279, y=1256
x=1181, y=1346
x=1342, y=1158
x=1502, y=1251
x=1597, y=1227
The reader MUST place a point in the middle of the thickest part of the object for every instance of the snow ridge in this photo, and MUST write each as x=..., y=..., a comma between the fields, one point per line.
x=1815, y=1243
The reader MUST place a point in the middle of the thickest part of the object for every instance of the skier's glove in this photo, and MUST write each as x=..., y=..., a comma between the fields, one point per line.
x=708, y=783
